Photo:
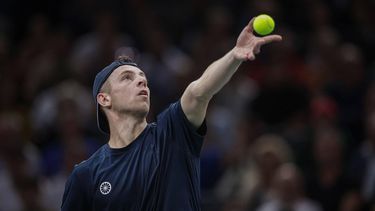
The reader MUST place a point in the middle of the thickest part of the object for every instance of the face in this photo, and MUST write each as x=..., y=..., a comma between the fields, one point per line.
x=128, y=93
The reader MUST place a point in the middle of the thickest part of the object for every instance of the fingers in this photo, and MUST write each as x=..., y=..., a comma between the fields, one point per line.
x=257, y=49
x=250, y=25
x=265, y=40
x=271, y=38
x=250, y=56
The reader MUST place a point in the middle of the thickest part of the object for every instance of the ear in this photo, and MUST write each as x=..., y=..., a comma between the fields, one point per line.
x=104, y=99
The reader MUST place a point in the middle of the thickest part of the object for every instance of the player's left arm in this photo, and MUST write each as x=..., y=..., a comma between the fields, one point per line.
x=195, y=99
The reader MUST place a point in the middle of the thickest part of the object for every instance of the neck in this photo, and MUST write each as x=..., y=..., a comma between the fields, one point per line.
x=124, y=130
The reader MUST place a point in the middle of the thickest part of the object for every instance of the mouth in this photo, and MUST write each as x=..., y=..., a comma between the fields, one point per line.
x=143, y=93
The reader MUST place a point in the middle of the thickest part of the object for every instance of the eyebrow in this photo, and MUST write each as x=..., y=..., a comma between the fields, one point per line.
x=141, y=73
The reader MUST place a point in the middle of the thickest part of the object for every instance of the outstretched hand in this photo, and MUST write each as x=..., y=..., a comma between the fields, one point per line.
x=248, y=44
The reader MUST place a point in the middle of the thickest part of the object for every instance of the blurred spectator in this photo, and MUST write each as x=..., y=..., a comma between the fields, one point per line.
x=352, y=201
x=19, y=167
x=246, y=184
x=348, y=89
x=71, y=142
x=288, y=192
x=362, y=165
x=323, y=111
x=45, y=109
x=326, y=182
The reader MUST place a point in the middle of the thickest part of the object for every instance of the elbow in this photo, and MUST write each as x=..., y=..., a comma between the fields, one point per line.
x=197, y=91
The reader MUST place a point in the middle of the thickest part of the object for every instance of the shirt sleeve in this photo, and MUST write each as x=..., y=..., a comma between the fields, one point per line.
x=75, y=197
x=178, y=129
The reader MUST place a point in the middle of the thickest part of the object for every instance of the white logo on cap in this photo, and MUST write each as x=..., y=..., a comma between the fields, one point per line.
x=105, y=188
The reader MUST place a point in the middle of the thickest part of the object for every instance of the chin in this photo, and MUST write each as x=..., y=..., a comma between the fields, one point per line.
x=143, y=111
x=139, y=111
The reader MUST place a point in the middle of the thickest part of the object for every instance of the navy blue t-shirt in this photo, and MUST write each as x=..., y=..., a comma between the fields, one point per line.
x=158, y=171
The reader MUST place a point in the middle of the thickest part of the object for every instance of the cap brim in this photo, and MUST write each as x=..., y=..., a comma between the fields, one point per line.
x=102, y=120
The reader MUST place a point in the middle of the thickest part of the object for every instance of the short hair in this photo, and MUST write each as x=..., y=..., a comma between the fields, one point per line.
x=124, y=58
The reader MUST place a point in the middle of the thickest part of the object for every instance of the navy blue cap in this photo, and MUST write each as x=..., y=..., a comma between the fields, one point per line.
x=100, y=78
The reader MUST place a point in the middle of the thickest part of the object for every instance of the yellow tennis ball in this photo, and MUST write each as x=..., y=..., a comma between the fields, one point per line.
x=263, y=24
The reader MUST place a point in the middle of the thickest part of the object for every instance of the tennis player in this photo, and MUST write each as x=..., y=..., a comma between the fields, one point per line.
x=151, y=166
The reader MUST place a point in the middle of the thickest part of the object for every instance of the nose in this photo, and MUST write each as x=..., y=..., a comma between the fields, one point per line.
x=142, y=82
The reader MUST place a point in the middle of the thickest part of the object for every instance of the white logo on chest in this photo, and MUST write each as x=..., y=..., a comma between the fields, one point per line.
x=105, y=188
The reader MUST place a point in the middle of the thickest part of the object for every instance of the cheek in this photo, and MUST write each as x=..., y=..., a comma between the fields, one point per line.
x=119, y=96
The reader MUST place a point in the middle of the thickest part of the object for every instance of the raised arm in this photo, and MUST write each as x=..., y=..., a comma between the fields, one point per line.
x=198, y=94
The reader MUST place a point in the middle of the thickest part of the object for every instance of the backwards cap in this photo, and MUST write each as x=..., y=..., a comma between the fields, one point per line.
x=100, y=79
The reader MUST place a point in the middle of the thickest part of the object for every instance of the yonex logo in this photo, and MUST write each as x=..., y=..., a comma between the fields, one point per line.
x=105, y=188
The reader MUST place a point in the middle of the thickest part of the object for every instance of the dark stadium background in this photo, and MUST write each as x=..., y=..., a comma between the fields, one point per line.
x=296, y=126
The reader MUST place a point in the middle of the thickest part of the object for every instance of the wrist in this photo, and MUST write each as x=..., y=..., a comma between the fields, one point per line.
x=235, y=56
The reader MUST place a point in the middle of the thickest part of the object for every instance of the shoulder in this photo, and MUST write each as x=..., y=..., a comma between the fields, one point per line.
x=174, y=108
x=83, y=168
x=173, y=115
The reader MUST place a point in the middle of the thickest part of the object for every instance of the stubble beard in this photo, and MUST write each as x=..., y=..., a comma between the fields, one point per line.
x=138, y=113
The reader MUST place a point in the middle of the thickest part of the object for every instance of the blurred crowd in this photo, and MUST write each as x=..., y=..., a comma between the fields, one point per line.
x=293, y=130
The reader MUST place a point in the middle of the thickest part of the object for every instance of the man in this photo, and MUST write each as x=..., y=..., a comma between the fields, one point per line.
x=150, y=166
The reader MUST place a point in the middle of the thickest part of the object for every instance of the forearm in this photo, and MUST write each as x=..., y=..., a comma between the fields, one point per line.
x=215, y=76
x=198, y=94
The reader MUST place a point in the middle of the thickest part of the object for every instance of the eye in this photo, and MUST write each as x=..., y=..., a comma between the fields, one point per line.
x=126, y=77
